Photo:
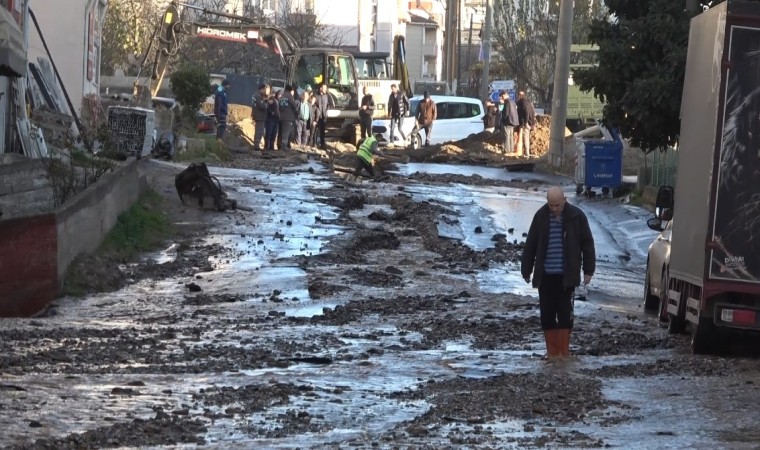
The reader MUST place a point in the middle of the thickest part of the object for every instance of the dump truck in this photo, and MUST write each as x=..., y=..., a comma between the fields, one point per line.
x=712, y=280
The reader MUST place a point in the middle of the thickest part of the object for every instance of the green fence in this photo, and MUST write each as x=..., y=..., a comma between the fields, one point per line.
x=664, y=167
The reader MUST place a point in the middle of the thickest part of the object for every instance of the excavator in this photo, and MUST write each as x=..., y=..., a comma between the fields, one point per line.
x=302, y=66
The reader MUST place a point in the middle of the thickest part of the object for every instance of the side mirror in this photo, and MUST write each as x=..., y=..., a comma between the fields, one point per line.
x=655, y=224
x=664, y=202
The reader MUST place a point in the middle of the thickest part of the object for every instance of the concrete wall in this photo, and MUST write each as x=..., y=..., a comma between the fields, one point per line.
x=83, y=222
x=24, y=189
x=35, y=251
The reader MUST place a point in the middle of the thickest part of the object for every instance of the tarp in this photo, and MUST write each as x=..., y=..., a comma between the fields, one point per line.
x=400, y=70
x=12, y=49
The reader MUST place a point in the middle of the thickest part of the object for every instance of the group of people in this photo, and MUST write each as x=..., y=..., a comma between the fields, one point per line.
x=283, y=118
x=515, y=119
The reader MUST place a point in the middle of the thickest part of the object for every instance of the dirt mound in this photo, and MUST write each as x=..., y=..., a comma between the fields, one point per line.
x=236, y=113
x=494, y=142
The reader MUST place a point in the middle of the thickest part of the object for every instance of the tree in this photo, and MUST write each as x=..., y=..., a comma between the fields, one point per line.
x=525, y=35
x=191, y=85
x=640, y=72
x=127, y=31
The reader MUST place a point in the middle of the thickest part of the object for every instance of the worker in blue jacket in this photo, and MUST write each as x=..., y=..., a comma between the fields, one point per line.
x=220, y=108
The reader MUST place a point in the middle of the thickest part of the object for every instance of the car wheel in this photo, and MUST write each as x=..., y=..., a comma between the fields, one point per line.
x=415, y=140
x=650, y=301
x=663, y=307
x=703, y=337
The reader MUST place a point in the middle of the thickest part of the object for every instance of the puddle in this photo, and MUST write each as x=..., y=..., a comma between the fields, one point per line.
x=308, y=311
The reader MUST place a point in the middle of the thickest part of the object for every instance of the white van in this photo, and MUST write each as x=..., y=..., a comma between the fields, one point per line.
x=458, y=117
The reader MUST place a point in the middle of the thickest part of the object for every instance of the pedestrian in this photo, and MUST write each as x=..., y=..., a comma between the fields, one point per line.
x=277, y=98
x=220, y=109
x=303, y=120
x=272, y=123
x=313, y=121
x=558, y=247
x=509, y=120
x=365, y=113
x=324, y=103
x=288, y=113
x=426, y=115
x=259, y=114
x=526, y=114
x=398, y=107
x=491, y=117
x=365, y=156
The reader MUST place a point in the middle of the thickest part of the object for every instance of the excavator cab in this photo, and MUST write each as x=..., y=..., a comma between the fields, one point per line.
x=312, y=67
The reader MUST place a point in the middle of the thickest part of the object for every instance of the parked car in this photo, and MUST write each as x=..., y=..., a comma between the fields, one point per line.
x=656, y=276
x=458, y=117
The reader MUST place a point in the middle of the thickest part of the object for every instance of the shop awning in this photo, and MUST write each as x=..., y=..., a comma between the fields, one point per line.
x=12, y=49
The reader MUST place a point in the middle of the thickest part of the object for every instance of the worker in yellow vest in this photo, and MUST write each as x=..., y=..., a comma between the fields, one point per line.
x=367, y=149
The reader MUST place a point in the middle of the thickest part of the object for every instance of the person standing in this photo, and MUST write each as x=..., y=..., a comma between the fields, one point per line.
x=303, y=120
x=398, y=106
x=288, y=113
x=259, y=114
x=426, y=115
x=558, y=247
x=220, y=109
x=313, y=121
x=365, y=113
x=324, y=103
x=272, y=123
x=491, y=117
x=509, y=120
x=526, y=114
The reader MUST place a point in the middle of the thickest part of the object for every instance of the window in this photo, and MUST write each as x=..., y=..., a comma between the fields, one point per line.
x=308, y=71
x=428, y=36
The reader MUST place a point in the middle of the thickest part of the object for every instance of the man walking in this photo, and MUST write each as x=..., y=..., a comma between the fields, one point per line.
x=426, y=115
x=324, y=103
x=288, y=113
x=259, y=114
x=365, y=113
x=220, y=109
x=398, y=105
x=526, y=114
x=509, y=120
x=559, y=246
x=303, y=120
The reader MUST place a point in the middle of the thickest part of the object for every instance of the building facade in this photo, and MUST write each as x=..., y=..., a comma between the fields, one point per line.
x=13, y=27
x=73, y=36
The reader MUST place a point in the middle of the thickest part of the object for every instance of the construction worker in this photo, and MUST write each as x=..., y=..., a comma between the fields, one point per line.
x=220, y=109
x=365, y=155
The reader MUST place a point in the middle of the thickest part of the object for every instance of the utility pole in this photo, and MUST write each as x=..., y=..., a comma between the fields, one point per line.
x=467, y=57
x=486, y=43
x=561, y=76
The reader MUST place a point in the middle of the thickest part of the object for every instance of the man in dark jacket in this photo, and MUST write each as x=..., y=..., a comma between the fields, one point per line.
x=366, y=109
x=259, y=114
x=509, y=120
x=272, y=122
x=526, y=114
x=220, y=108
x=426, y=115
x=398, y=106
x=324, y=103
x=558, y=247
x=288, y=113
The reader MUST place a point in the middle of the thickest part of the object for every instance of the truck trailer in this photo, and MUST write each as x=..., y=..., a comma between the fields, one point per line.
x=712, y=281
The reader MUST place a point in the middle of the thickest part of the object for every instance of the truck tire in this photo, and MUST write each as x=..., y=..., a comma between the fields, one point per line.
x=703, y=336
x=650, y=301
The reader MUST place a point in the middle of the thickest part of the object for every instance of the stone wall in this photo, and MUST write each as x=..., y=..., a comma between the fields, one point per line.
x=24, y=188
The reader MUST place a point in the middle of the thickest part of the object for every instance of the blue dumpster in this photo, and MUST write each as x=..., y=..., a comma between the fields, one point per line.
x=599, y=163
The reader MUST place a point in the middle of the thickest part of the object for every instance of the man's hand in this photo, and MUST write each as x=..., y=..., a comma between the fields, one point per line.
x=586, y=279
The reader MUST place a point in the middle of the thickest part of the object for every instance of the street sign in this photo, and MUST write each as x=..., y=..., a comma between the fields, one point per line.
x=498, y=85
x=495, y=95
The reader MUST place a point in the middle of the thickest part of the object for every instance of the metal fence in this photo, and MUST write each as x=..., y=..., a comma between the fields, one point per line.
x=663, y=170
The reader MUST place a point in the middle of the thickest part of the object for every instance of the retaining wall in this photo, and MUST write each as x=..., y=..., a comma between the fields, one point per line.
x=35, y=251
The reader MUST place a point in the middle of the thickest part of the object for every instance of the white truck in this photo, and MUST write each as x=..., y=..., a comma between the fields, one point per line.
x=712, y=280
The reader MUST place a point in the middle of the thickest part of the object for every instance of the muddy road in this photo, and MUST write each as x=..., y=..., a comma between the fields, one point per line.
x=380, y=315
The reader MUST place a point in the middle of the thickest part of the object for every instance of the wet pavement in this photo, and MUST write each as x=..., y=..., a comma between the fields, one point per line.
x=382, y=315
